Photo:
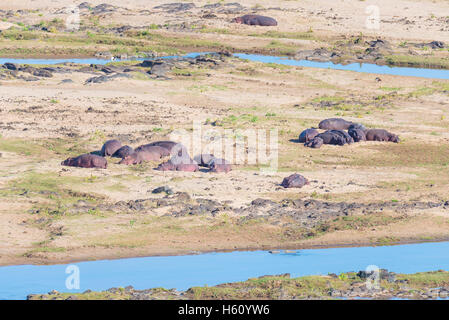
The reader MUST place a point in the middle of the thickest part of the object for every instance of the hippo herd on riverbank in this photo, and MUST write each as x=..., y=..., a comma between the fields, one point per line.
x=154, y=151
x=336, y=134
x=180, y=160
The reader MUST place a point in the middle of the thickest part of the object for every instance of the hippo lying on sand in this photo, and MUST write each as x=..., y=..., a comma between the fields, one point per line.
x=308, y=135
x=315, y=143
x=110, y=147
x=175, y=164
x=294, y=181
x=138, y=157
x=163, y=152
x=357, y=134
x=381, y=135
x=123, y=152
x=219, y=165
x=86, y=161
x=335, y=137
x=256, y=20
x=334, y=124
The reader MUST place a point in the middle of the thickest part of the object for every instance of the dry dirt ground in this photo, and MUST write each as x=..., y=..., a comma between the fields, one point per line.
x=54, y=214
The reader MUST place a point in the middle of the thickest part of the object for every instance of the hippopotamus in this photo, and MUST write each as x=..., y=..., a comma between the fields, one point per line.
x=308, y=135
x=138, y=157
x=256, y=20
x=357, y=134
x=110, y=147
x=219, y=165
x=164, y=144
x=328, y=137
x=381, y=135
x=344, y=134
x=163, y=152
x=174, y=164
x=315, y=143
x=204, y=159
x=334, y=124
x=87, y=160
x=357, y=126
x=294, y=181
x=123, y=152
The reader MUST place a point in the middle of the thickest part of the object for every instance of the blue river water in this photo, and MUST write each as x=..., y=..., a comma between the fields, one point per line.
x=182, y=272
x=365, y=67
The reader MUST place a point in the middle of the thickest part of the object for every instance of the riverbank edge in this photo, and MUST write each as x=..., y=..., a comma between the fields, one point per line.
x=34, y=261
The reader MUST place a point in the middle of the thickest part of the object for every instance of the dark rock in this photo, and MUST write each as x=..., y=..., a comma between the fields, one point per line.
x=294, y=181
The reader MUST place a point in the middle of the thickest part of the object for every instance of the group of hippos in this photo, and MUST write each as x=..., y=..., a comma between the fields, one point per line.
x=341, y=132
x=154, y=151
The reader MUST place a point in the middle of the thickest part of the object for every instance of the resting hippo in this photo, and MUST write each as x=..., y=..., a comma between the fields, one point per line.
x=164, y=144
x=86, y=161
x=308, y=135
x=110, y=147
x=219, y=165
x=315, y=143
x=175, y=165
x=328, y=137
x=357, y=134
x=163, y=152
x=357, y=126
x=294, y=181
x=256, y=20
x=334, y=124
x=204, y=159
x=123, y=152
x=344, y=134
x=381, y=135
x=138, y=157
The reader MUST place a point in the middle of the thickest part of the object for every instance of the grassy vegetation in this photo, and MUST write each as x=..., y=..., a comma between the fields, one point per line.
x=417, y=61
x=277, y=287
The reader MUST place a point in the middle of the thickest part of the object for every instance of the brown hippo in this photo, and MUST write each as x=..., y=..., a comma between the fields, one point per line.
x=357, y=134
x=170, y=166
x=163, y=152
x=164, y=144
x=123, y=152
x=219, y=165
x=177, y=163
x=166, y=166
x=138, y=157
x=87, y=160
x=256, y=20
x=381, y=135
x=110, y=147
x=308, y=135
x=204, y=159
x=334, y=124
x=188, y=167
x=294, y=181
x=315, y=143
